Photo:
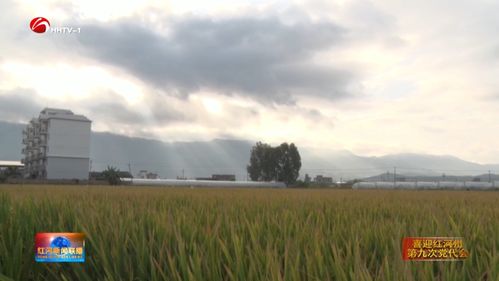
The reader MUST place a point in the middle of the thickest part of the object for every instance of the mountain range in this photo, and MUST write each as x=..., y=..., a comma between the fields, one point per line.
x=222, y=156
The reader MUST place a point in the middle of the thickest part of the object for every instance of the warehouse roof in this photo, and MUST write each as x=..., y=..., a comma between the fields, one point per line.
x=11, y=164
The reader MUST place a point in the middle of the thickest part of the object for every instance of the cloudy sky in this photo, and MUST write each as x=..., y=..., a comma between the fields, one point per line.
x=372, y=77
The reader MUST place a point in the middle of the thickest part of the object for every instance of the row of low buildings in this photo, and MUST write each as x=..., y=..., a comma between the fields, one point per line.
x=319, y=180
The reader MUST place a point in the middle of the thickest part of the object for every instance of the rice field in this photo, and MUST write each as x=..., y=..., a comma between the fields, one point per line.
x=141, y=233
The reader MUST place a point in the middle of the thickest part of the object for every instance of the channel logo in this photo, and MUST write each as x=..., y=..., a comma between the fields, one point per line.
x=42, y=25
x=39, y=25
x=59, y=247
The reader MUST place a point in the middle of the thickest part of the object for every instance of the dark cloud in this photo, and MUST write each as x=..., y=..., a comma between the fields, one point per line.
x=117, y=110
x=314, y=114
x=264, y=58
x=163, y=112
x=18, y=105
x=495, y=52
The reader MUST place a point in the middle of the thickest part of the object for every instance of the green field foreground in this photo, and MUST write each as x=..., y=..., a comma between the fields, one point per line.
x=140, y=233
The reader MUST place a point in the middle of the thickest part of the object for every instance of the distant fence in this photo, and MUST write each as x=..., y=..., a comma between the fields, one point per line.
x=465, y=185
x=201, y=183
x=56, y=182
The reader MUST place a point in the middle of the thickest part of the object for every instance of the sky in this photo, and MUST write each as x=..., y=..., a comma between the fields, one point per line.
x=371, y=77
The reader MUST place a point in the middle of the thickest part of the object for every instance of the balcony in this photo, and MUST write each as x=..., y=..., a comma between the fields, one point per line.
x=34, y=156
x=43, y=129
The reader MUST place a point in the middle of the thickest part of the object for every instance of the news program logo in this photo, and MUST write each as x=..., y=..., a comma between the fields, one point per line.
x=59, y=247
x=39, y=24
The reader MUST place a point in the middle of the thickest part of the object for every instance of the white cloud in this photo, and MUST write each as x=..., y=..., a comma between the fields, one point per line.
x=425, y=75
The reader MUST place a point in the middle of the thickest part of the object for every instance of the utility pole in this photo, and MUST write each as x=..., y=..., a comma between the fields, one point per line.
x=394, y=175
x=89, y=172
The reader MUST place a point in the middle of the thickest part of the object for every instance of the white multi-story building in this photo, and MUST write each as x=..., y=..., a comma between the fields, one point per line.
x=57, y=145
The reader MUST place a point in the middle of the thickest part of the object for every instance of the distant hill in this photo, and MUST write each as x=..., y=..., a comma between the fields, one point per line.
x=190, y=159
x=416, y=163
x=198, y=159
x=348, y=165
x=10, y=141
x=389, y=176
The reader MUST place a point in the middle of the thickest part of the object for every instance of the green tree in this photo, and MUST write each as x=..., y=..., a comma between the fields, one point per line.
x=289, y=163
x=12, y=172
x=281, y=163
x=112, y=175
x=262, y=162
